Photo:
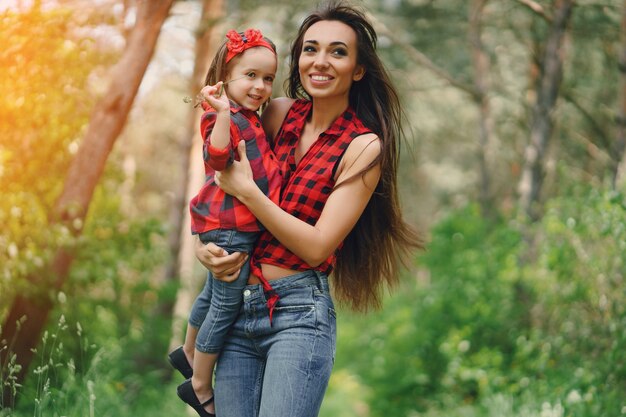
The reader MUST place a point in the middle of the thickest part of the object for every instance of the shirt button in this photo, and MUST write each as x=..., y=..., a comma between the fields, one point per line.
x=257, y=124
x=246, y=293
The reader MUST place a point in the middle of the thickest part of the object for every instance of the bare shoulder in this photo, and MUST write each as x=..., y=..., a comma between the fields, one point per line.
x=364, y=148
x=362, y=151
x=273, y=116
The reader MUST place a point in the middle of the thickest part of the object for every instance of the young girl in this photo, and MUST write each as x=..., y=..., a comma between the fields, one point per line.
x=243, y=71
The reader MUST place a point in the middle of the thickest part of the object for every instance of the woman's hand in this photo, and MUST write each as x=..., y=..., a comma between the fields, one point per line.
x=237, y=180
x=223, y=266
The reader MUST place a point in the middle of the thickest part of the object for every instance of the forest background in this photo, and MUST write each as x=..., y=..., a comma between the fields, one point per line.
x=513, y=167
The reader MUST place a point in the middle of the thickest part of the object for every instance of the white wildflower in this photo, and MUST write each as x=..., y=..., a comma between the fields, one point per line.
x=464, y=346
x=573, y=397
x=13, y=251
x=61, y=297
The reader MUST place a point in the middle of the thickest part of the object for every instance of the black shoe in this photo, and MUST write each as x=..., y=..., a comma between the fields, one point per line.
x=179, y=362
x=187, y=394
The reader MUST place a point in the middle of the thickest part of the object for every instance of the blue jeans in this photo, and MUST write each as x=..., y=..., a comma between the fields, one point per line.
x=217, y=305
x=282, y=369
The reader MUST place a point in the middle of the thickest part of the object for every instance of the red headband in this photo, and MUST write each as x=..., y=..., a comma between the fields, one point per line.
x=236, y=43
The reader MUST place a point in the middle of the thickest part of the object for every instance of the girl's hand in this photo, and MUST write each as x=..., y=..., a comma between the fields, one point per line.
x=216, y=96
x=223, y=266
x=237, y=180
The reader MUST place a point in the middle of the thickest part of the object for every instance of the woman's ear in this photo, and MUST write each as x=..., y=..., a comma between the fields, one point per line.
x=359, y=73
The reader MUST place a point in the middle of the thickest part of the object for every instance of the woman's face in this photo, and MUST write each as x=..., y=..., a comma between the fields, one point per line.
x=328, y=62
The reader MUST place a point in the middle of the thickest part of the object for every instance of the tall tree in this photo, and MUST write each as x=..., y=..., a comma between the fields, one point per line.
x=620, y=144
x=547, y=90
x=420, y=58
x=180, y=242
x=28, y=315
x=480, y=62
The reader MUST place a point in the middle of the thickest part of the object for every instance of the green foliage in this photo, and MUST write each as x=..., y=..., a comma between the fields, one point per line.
x=497, y=327
x=441, y=333
x=112, y=284
x=111, y=309
x=498, y=323
x=501, y=319
x=105, y=355
x=87, y=384
x=44, y=75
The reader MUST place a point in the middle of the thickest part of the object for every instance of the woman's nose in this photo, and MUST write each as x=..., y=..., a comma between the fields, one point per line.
x=321, y=61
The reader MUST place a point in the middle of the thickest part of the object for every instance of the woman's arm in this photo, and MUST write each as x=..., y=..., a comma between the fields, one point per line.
x=222, y=265
x=340, y=213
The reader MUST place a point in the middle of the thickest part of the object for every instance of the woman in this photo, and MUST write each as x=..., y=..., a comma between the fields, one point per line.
x=336, y=139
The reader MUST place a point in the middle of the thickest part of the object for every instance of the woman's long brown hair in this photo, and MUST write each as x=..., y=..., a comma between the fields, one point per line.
x=381, y=241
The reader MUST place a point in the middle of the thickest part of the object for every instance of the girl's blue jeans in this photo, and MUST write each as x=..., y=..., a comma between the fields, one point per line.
x=218, y=304
x=282, y=369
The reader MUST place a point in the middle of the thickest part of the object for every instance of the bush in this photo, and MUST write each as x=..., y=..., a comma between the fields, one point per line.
x=500, y=313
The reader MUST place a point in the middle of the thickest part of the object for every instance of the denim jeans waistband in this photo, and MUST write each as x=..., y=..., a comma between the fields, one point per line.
x=301, y=279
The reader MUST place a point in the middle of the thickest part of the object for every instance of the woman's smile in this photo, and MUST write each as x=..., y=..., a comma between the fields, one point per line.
x=320, y=80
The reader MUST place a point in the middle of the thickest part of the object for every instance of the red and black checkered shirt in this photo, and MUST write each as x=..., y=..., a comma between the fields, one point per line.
x=307, y=185
x=212, y=208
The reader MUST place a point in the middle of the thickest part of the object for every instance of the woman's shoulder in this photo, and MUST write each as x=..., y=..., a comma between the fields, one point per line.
x=280, y=105
x=275, y=113
x=360, y=154
x=367, y=146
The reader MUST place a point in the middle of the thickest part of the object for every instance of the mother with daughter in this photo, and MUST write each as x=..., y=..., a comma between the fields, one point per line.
x=336, y=141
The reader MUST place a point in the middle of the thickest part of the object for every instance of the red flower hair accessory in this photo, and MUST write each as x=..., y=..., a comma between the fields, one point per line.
x=238, y=43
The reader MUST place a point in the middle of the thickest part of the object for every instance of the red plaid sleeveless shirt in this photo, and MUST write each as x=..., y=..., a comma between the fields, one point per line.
x=306, y=186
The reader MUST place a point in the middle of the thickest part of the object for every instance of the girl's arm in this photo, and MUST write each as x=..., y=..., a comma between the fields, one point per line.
x=215, y=127
x=340, y=213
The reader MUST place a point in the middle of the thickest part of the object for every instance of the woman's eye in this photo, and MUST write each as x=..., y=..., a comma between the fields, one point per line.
x=340, y=52
x=308, y=48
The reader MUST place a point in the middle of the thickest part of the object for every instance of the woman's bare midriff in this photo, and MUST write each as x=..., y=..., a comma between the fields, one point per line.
x=271, y=272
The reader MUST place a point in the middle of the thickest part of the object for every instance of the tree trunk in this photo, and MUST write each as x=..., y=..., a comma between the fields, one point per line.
x=181, y=244
x=620, y=142
x=541, y=129
x=480, y=62
x=419, y=58
x=106, y=123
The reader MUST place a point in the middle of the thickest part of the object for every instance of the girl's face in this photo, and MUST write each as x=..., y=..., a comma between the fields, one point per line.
x=252, y=74
x=328, y=62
